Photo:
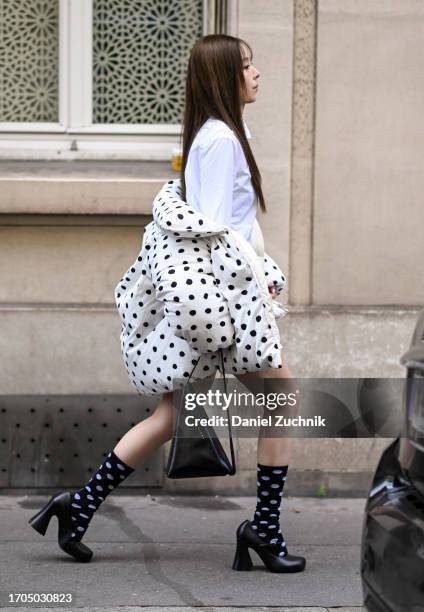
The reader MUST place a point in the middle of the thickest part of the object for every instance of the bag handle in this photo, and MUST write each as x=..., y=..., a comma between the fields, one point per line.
x=233, y=458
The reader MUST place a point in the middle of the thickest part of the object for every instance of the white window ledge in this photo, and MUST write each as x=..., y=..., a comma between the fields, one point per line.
x=52, y=146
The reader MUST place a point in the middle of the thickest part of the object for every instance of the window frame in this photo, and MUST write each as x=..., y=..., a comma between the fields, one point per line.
x=74, y=135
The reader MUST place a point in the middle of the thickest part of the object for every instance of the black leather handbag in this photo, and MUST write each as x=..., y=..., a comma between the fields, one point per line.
x=202, y=455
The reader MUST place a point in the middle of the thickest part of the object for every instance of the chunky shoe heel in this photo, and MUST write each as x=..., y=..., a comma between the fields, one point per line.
x=60, y=506
x=242, y=561
x=248, y=538
x=41, y=520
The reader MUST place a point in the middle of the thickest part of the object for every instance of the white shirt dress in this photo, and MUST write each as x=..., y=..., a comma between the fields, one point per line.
x=218, y=180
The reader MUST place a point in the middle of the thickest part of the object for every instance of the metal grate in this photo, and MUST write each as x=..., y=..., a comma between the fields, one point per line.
x=140, y=54
x=59, y=440
x=29, y=48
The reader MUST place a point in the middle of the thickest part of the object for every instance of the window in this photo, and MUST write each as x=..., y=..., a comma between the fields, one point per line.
x=75, y=71
x=140, y=49
x=29, y=48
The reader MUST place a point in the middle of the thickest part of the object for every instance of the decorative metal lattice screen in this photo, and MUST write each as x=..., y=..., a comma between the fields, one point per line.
x=140, y=53
x=29, y=56
x=60, y=440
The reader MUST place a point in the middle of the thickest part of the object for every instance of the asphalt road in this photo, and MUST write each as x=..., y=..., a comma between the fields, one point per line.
x=175, y=553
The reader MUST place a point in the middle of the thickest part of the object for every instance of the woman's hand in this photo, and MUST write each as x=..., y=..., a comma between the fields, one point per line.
x=273, y=291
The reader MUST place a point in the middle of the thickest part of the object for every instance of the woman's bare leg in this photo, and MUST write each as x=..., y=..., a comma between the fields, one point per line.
x=276, y=450
x=145, y=437
x=148, y=435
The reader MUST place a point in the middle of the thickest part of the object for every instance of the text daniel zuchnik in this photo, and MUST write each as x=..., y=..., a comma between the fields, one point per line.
x=276, y=420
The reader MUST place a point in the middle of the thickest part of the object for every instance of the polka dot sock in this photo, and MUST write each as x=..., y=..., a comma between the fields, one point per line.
x=87, y=500
x=266, y=520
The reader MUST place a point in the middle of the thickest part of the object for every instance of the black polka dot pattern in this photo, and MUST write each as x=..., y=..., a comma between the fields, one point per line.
x=266, y=520
x=195, y=287
x=273, y=274
x=85, y=501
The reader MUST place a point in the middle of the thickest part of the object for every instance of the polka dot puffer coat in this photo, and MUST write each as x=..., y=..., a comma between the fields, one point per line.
x=195, y=287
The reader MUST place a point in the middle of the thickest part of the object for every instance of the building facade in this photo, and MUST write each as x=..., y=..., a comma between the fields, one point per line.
x=90, y=110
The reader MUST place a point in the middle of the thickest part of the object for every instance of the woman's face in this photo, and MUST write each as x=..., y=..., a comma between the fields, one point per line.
x=251, y=76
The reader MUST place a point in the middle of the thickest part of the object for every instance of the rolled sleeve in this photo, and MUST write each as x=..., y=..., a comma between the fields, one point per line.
x=273, y=274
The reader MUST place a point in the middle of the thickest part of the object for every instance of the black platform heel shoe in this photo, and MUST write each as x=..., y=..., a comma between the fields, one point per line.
x=248, y=538
x=60, y=506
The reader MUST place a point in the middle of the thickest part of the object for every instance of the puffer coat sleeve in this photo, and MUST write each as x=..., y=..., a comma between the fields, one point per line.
x=194, y=307
x=273, y=274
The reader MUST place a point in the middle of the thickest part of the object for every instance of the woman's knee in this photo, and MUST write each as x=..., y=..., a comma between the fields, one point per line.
x=270, y=379
x=161, y=428
x=163, y=410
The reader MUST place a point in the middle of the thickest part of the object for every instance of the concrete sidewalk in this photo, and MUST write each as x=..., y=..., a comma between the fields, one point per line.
x=175, y=553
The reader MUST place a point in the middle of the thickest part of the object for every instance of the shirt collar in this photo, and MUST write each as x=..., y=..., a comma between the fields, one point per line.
x=246, y=129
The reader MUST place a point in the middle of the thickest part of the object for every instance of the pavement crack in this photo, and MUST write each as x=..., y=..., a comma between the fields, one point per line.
x=152, y=562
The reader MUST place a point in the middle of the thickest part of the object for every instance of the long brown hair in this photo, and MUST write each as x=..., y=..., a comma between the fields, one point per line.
x=214, y=84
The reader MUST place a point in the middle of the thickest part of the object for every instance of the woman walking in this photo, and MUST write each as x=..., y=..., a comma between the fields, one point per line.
x=202, y=282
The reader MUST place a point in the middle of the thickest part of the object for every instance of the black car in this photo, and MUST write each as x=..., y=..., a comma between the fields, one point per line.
x=392, y=547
